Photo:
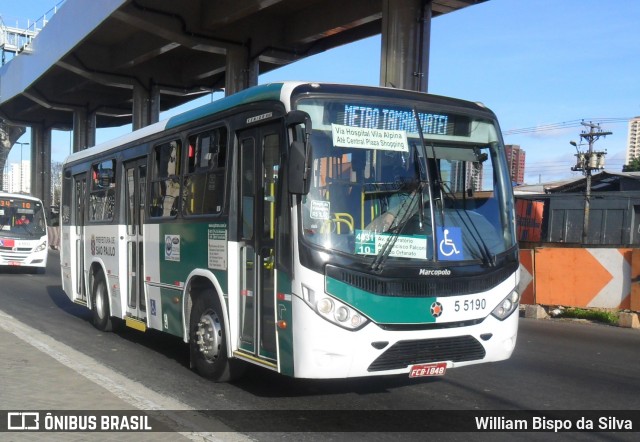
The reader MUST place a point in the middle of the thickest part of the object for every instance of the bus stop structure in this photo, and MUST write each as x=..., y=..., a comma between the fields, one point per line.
x=114, y=62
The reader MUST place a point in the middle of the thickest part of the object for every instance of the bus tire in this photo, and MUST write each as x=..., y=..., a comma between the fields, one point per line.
x=207, y=342
x=100, y=313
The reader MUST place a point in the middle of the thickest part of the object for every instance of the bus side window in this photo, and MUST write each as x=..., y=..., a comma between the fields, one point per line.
x=165, y=180
x=204, y=178
x=103, y=193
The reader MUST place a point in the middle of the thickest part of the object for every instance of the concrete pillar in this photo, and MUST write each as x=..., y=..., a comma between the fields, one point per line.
x=154, y=105
x=84, y=129
x=406, y=35
x=146, y=106
x=241, y=72
x=41, y=164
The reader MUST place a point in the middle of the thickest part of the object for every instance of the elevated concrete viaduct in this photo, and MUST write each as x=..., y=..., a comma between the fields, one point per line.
x=112, y=62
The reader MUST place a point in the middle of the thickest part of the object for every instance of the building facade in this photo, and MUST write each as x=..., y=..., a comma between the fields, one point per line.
x=17, y=178
x=516, y=158
x=633, y=140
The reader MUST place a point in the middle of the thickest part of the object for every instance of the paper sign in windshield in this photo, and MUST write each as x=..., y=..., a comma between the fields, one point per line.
x=371, y=243
x=364, y=138
x=320, y=209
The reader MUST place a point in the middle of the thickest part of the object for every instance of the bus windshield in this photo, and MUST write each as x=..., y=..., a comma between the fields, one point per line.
x=21, y=218
x=389, y=178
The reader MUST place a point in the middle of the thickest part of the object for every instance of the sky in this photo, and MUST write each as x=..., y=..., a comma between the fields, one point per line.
x=542, y=66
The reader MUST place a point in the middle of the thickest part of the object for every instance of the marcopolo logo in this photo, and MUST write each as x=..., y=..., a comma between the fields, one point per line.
x=434, y=272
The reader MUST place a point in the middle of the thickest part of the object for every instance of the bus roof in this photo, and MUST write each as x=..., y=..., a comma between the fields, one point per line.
x=20, y=195
x=264, y=92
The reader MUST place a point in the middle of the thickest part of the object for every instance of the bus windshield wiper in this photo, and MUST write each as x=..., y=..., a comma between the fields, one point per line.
x=405, y=212
x=471, y=227
x=29, y=229
x=442, y=189
x=466, y=220
x=384, y=187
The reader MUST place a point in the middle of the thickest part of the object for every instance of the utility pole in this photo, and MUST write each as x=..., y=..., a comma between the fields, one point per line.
x=586, y=162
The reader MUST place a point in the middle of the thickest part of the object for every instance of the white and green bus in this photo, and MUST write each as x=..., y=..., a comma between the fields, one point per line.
x=317, y=230
x=23, y=232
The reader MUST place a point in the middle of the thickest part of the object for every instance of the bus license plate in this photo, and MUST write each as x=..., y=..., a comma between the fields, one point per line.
x=422, y=370
x=15, y=263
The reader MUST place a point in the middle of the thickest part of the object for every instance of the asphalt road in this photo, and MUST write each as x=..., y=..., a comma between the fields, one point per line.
x=557, y=365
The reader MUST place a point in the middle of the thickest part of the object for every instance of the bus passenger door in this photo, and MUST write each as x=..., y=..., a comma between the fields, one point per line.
x=258, y=172
x=135, y=183
x=78, y=210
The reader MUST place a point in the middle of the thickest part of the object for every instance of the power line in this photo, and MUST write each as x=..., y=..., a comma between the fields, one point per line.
x=563, y=125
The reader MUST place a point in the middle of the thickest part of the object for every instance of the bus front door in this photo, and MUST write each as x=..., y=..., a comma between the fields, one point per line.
x=258, y=172
x=78, y=210
x=135, y=183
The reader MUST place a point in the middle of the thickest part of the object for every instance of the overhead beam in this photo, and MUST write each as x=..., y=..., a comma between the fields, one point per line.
x=113, y=80
x=163, y=27
x=224, y=12
x=331, y=19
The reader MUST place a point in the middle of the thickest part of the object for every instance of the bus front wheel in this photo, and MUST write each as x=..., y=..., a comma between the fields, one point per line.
x=207, y=341
x=101, y=315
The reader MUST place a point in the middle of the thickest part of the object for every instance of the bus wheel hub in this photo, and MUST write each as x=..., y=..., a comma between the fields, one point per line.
x=209, y=334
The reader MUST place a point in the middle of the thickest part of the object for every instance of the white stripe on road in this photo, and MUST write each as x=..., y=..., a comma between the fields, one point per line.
x=131, y=392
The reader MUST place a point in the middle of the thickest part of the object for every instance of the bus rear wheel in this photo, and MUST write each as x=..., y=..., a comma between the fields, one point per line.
x=100, y=313
x=208, y=344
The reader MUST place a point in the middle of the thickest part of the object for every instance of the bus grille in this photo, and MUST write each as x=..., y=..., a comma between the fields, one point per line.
x=419, y=287
x=14, y=256
x=405, y=353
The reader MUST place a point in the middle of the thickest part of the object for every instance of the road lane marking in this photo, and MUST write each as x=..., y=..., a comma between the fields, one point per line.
x=131, y=392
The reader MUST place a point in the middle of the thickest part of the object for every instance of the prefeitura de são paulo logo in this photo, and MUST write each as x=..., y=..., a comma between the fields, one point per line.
x=436, y=309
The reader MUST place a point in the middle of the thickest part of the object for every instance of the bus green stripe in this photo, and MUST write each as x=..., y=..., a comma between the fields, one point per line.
x=171, y=301
x=259, y=93
x=383, y=309
x=284, y=310
x=190, y=251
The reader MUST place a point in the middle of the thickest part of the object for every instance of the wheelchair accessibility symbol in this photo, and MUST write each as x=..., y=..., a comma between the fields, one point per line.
x=450, y=244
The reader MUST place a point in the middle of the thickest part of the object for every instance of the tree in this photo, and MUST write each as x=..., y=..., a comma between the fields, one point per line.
x=56, y=182
x=633, y=166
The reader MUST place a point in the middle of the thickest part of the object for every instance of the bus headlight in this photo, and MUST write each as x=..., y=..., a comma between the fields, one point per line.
x=325, y=306
x=41, y=247
x=507, y=306
x=333, y=310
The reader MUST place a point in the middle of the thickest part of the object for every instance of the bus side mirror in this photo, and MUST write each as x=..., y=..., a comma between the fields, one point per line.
x=298, y=177
x=299, y=154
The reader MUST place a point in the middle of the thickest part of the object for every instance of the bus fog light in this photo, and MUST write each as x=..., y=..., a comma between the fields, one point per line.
x=325, y=305
x=509, y=344
x=342, y=314
x=356, y=320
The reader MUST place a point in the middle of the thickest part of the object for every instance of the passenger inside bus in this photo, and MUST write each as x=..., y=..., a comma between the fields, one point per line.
x=23, y=220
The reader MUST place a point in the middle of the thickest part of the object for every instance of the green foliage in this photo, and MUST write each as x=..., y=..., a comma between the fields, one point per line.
x=607, y=317
x=633, y=166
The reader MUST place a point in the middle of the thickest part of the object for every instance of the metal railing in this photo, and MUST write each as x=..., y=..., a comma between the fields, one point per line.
x=17, y=39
